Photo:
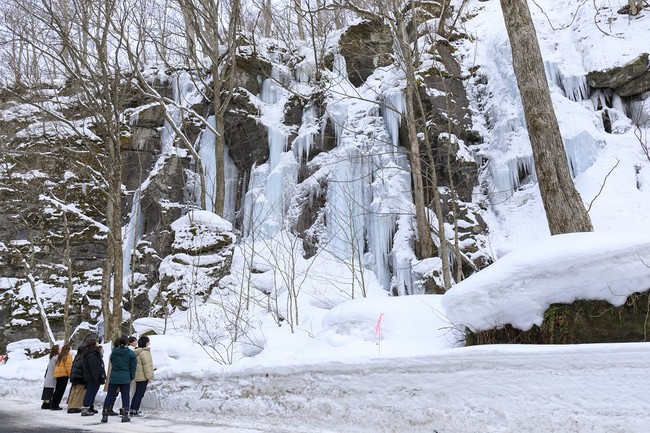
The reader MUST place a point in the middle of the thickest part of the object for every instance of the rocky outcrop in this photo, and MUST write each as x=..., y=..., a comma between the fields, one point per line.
x=245, y=136
x=366, y=47
x=201, y=256
x=630, y=79
x=251, y=71
x=578, y=323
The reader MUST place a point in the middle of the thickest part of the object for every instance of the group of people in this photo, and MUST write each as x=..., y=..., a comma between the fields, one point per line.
x=130, y=369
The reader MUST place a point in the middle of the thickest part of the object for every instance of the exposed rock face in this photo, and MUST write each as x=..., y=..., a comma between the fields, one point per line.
x=162, y=261
x=630, y=79
x=36, y=235
x=201, y=256
x=251, y=70
x=161, y=203
x=366, y=47
x=579, y=323
x=245, y=136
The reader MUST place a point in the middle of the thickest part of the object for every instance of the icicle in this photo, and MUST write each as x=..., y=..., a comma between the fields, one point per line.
x=206, y=152
x=509, y=175
x=132, y=233
x=581, y=152
x=346, y=216
x=618, y=104
x=337, y=113
x=394, y=108
x=308, y=129
x=266, y=201
x=340, y=67
x=232, y=179
x=575, y=88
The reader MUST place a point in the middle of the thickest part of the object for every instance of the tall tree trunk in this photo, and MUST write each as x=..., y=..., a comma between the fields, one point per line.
x=115, y=238
x=67, y=261
x=565, y=211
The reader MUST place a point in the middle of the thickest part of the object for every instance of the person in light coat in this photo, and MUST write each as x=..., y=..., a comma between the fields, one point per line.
x=49, y=383
x=143, y=373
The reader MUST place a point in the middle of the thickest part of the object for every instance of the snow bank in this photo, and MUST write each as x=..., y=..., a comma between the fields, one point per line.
x=519, y=288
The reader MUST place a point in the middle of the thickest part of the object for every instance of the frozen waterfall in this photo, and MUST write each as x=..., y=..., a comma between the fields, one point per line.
x=206, y=150
x=271, y=184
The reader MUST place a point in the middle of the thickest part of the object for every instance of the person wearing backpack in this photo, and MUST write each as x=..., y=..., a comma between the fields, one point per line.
x=78, y=388
x=143, y=374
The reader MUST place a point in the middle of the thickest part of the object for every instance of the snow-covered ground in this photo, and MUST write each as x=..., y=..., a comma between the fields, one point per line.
x=601, y=388
x=393, y=364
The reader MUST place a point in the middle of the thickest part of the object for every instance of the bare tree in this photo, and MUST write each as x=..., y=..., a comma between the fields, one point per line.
x=565, y=211
x=215, y=25
x=78, y=43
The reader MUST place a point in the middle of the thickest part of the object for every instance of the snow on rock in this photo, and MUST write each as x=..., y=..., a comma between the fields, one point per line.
x=518, y=288
x=199, y=230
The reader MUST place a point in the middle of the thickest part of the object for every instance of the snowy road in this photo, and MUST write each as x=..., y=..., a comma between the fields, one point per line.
x=21, y=417
x=490, y=389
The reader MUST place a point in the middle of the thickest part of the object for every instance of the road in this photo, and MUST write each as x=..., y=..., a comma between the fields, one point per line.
x=601, y=388
x=27, y=417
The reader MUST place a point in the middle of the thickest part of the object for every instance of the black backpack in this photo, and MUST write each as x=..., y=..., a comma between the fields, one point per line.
x=77, y=372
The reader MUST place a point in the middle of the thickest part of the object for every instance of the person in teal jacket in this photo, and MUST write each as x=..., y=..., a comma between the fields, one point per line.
x=123, y=367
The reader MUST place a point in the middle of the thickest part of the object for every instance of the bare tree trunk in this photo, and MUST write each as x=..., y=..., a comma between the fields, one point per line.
x=425, y=246
x=565, y=211
x=69, y=283
x=634, y=9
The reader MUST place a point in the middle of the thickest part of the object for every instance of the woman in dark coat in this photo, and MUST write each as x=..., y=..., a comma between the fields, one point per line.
x=94, y=375
x=123, y=366
x=78, y=388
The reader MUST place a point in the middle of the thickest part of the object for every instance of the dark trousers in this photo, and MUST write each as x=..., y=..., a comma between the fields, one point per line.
x=111, y=395
x=59, y=390
x=140, y=388
x=91, y=392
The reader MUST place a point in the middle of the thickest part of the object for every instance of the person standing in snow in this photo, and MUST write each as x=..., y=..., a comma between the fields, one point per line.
x=123, y=367
x=49, y=383
x=143, y=373
x=94, y=375
x=62, y=369
x=78, y=388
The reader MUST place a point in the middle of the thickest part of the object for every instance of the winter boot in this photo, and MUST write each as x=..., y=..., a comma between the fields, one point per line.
x=111, y=412
x=87, y=412
x=104, y=415
x=125, y=415
x=45, y=405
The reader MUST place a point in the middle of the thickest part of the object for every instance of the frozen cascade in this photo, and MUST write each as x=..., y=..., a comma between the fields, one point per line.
x=308, y=129
x=185, y=94
x=510, y=174
x=346, y=204
x=271, y=184
x=206, y=151
x=581, y=151
x=394, y=107
x=131, y=233
x=340, y=67
x=511, y=160
x=575, y=88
